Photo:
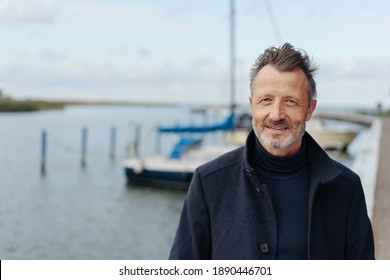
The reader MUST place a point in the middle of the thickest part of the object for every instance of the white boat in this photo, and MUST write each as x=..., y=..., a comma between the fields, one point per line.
x=176, y=170
x=169, y=172
x=331, y=138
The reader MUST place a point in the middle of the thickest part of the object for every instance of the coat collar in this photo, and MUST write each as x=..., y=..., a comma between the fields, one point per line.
x=322, y=168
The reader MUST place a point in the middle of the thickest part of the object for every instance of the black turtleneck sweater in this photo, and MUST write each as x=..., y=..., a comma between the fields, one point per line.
x=287, y=180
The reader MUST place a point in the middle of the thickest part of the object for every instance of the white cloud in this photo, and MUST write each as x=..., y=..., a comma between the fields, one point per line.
x=357, y=69
x=70, y=79
x=52, y=55
x=98, y=12
x=362, y=81
x=169, y=51
x=28, y=11
x=355, y=81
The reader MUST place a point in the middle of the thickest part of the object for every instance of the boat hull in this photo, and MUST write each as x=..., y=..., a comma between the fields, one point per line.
x=334, y=140
x=170, y=172
x=164, y=179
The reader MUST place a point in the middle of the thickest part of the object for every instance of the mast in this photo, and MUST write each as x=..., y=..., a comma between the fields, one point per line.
x=232, y=57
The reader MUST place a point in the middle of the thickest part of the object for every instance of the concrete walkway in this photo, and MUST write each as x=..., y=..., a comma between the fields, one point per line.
x=381, y=221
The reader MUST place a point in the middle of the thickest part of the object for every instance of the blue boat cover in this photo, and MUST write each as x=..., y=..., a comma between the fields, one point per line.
x=183, y=145
x=228, y=124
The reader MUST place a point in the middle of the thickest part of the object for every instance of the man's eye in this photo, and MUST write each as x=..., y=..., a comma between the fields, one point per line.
x=265, y=101
x=291, y=102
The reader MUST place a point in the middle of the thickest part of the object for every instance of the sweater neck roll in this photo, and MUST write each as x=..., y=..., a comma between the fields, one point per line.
x=279, y=166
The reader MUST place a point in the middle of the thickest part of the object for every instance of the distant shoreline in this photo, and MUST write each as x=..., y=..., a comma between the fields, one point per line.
x=29, y=105
x=8, y=105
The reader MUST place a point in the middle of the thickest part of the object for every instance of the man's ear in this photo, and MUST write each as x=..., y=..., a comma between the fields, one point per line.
x=312, y=107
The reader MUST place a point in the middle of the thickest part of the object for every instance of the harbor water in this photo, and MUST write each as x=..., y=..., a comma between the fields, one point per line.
x=75, y=211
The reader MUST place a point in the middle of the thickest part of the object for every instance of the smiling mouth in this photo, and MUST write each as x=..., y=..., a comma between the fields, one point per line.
x=279, y=128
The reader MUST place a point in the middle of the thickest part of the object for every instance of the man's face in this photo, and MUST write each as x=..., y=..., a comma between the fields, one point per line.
x=280, y=109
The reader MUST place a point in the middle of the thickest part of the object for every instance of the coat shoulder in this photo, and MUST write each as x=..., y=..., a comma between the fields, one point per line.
x=346, y=172
x=223, y=162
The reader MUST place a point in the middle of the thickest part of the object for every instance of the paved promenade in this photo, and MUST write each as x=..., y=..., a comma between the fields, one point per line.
x=381, y=219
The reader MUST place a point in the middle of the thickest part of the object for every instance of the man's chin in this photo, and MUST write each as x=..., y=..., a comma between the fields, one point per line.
x=276, y=142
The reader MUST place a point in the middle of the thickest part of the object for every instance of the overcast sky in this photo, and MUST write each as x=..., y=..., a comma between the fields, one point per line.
x=171, y=50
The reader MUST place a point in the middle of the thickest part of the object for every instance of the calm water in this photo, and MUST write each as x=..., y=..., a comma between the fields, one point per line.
x=75, y=212
x=82, y=213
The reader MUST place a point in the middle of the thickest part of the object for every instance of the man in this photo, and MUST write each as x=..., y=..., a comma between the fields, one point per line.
x=280, y=196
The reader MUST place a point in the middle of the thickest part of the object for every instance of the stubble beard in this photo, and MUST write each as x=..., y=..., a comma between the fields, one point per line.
x=278, y=142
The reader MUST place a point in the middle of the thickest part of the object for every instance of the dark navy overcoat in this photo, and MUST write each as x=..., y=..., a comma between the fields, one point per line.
x=228, y=214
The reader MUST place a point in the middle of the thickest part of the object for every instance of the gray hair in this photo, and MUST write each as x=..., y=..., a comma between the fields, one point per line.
x=287, y=58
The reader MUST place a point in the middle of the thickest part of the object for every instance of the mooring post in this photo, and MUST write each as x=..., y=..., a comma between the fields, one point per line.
x=84, y=136
x=113, y=142
x=158, y=142
x=43, y=151
x=137, y=140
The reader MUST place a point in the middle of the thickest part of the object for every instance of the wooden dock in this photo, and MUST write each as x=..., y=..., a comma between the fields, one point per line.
x=381, y=219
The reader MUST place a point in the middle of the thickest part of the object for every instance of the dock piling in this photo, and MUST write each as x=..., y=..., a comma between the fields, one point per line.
x=84, y=136
x=113, y=142
x=137, y=140
x=43, y=151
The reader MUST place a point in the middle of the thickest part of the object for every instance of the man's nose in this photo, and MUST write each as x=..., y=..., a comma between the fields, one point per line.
x=277, y=111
